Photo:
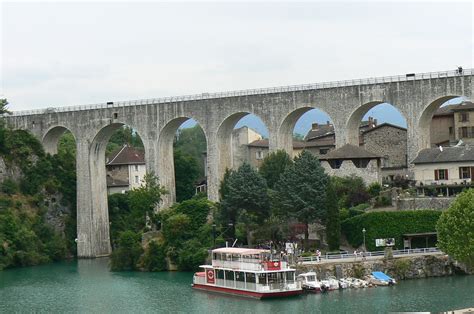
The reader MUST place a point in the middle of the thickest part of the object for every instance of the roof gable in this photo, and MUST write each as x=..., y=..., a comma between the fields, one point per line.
x=127, y=156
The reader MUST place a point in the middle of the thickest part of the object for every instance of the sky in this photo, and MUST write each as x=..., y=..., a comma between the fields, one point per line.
x=61, y=54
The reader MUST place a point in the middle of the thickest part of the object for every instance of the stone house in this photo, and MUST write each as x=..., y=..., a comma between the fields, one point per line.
x=125, y=169
x=446, y=166
x=258, y=150
x=353, y=160
x=390, y=142
x=453, y=123
x=241, y=138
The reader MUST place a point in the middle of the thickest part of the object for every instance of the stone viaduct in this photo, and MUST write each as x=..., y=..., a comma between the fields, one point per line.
x=416, y=96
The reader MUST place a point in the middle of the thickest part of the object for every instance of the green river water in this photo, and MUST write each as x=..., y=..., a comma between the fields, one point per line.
x=87, y=286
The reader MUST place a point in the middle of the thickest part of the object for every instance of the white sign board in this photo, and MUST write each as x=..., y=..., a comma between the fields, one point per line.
x=385, y=242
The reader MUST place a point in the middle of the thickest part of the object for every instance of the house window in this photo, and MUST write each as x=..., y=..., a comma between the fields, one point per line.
x=463, y=132
x=323, y=151
x=441, y=174
x=136, y=167
x=335, y=163
x=386, y=161
x=137, y=179
x=464, y=172
x=259, y=155
x=464, y=117
x=115, y=115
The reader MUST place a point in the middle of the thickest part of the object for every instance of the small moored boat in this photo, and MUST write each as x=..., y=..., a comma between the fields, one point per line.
x=309, y=282
x=251, y=273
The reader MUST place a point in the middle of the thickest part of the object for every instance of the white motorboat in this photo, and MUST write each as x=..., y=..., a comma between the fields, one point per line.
x=309, y=282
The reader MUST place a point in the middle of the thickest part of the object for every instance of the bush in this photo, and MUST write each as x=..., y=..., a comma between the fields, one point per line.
x=129, y=250
x=155, y=257
x=374, y=189
x=191, y=255
x=9, y=187
x=388, y=225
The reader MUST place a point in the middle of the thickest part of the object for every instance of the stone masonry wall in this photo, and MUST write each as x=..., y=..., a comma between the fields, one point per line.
x=388, y=142
x=439, y=203
x=398, y=268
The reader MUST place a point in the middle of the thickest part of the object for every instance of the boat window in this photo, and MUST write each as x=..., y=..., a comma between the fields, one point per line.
x=219, y=274
x=311, y=278
x=250, y=277
x=235, y=257
x=275, y=277
x=229, y=275
x=262, y=279
x=239, y=276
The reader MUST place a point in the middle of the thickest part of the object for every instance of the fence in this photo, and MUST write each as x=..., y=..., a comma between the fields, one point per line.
x=259, y=91
x=347, y=255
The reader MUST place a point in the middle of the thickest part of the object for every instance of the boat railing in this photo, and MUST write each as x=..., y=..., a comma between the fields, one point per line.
x=254, y=266
x=347, y=255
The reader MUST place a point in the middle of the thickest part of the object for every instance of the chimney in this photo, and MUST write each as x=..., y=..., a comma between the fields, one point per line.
x=375, y=122
x=314, y=126
x=327, y=122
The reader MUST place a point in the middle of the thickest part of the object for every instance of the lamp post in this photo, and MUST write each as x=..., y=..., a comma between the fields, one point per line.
x=363, y=233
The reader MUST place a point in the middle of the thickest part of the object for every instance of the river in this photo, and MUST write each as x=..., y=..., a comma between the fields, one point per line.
x=88, y=286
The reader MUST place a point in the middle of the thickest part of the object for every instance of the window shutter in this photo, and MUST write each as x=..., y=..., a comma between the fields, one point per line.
x=446, y=174
x=436, y=175
x=460, y=173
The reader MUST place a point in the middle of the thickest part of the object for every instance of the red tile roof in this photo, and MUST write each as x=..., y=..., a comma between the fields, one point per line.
x=127, y=156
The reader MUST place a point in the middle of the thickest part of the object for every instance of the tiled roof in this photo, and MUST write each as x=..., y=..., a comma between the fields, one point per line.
x=349, y=151
x=385, y=124
x=447, y=154
x=323, y=129
x=127, y=156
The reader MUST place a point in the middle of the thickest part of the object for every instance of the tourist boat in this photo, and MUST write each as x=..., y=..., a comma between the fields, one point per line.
x=309, y=282
x=251, y=273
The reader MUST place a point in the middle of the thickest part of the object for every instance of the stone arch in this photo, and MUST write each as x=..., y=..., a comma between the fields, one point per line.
x=224, y=140
x=287, y=126
x=424, y=122
x=166, y=170
x=51, y=138
x=98, y=186
x=353, y=122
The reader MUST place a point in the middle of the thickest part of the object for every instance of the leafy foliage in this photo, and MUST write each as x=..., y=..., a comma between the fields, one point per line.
x=154, y=258
x=456, y=229
x=351, y=191
x=333, y=224
x=129, y=250
x=186, y=170
x=124, y=136
x=245, y=199
x=192, y=142
x=4, y=106
x=301, y=191
x=273, y=166
x=388, y=225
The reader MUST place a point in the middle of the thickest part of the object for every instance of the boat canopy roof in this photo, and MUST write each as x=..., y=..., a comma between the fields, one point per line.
x=310, y=273
x=242, y=251
x=380, y=275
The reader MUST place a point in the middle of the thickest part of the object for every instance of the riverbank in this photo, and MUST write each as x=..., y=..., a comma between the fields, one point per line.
x=407, y=267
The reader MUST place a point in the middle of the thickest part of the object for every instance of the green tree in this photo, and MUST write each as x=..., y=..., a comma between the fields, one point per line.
x=154, y=258
x=186, y=171
x=333, y=224
x=192, y=142
x=128, y=253
x=146, y=198
x=456, y=229
x=245, y=199
x=298, y=137
x=124, y=136
x=4, y=106
x=301, y=191
x=351, y=191
x=273, y=166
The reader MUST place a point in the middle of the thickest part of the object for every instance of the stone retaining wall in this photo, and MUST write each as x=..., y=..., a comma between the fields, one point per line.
x=439, y=203
x=398, y=268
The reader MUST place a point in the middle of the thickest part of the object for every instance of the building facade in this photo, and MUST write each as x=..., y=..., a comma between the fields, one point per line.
x=125, y=170
x=453, y=123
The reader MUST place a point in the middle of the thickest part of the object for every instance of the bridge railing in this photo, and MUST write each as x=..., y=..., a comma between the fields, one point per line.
x=347, y=255
x=249, y=92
